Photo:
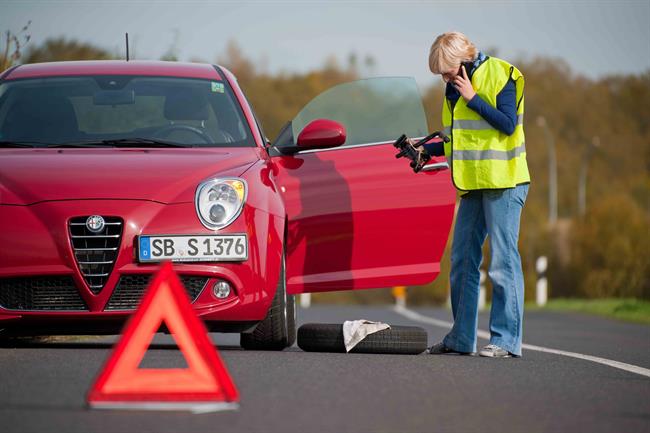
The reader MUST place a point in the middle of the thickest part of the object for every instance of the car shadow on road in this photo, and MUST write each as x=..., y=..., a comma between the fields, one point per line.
x=38, y=344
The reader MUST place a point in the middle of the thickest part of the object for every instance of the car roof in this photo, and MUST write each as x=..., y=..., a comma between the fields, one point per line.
x=114, y=67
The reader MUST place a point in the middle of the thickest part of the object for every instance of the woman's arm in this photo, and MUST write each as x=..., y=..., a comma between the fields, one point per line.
x=504, y=116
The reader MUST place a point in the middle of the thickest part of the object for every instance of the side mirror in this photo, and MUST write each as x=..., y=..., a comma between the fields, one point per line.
x=321, y=134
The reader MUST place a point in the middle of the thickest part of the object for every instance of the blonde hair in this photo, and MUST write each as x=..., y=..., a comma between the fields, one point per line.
x=449, y=50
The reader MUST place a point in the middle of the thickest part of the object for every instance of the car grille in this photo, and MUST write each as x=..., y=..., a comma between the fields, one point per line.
x=95, y=252
x=54, y=293
x=130, y=288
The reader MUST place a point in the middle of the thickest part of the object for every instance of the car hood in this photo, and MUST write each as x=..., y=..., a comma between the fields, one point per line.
x=30, y=176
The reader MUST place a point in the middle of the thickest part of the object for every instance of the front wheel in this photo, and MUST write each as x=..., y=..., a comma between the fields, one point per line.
x=278, y=329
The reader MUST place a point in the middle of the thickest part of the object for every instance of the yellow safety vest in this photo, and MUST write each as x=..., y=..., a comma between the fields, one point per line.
x=480, y=156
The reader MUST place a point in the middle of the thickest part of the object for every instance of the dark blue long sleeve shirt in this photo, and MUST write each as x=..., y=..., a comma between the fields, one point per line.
x=503, y=117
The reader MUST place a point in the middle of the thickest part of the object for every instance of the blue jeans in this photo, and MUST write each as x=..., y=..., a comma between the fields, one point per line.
x=481, y=213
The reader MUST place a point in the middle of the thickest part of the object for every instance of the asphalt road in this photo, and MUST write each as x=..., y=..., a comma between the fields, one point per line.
x=43, y=385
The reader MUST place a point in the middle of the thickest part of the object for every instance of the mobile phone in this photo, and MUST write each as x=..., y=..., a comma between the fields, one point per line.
x=468, y=68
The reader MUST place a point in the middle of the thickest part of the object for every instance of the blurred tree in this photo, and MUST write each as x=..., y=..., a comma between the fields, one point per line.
x=60, y=49
x=369, y=64
x=13, y=43
x=609, y=250
x=278, y=98
x=171, y=55
x=234, y=59
x=353, y=62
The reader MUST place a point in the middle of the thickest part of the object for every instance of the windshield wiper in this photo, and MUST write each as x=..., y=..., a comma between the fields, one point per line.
x=122, y=142
x=8, y=143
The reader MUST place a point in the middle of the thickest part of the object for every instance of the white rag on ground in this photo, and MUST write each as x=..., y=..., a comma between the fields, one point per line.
x=356, y=330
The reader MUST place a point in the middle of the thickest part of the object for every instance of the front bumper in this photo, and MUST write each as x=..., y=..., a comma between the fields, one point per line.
x=38, y=245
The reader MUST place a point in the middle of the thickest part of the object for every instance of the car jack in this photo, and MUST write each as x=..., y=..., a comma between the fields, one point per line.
x=419, y=158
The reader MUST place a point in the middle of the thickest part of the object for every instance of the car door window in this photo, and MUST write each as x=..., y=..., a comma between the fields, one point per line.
x=372, y=110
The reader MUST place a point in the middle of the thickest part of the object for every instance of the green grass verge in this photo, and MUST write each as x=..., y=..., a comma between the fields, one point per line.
x=628, y=309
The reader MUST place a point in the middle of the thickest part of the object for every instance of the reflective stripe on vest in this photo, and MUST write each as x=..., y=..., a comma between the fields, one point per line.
x=500, y=155
x=477, y=125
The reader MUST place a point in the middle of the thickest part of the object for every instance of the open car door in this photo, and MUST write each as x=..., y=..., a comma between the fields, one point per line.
x=358, y=217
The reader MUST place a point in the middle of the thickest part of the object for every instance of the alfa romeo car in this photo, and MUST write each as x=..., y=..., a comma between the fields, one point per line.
x=108, y=168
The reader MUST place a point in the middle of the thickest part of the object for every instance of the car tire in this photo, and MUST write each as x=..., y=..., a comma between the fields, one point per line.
x=328, y=337
x=278, y=329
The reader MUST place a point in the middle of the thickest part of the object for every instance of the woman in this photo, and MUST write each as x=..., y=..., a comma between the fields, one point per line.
x=483, y=115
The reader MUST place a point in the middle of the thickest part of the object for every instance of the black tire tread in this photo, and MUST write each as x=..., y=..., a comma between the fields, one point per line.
x=328, y=337
x=291, y=320
x=272, y=333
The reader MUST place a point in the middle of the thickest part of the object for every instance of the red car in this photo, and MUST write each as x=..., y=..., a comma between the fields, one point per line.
x=109, y=167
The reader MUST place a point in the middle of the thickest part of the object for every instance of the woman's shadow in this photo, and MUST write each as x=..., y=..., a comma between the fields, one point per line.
x=324, y=224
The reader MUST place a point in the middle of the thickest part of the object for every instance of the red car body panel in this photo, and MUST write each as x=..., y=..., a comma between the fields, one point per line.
x=161, y=175
x=347, y=218
x=344, y=235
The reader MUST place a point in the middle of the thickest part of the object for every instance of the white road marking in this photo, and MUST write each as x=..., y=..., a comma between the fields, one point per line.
x=417, y=317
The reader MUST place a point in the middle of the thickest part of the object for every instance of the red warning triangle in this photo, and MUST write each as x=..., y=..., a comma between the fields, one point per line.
x=204, y=384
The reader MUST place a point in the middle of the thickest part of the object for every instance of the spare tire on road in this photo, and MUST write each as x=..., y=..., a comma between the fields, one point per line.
x=328, y=337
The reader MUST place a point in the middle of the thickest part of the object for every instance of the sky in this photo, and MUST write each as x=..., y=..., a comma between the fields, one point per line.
x=596, y=38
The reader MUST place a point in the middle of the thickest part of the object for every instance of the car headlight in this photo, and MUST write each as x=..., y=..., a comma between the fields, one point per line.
x=220, y=201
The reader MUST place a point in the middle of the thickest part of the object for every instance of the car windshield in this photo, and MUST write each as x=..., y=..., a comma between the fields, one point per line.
x=111, y=110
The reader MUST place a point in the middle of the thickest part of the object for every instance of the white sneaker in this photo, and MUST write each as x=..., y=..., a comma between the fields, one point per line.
x=494, y=351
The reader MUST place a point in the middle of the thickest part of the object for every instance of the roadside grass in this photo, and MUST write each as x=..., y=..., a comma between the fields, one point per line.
x=627, y=309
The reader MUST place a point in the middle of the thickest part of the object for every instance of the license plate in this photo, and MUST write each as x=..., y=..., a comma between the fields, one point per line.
x=201, y=248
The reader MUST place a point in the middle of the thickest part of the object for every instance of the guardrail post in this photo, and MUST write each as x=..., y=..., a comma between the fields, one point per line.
x=305, y=300
x=541, y=288
x=399, y=292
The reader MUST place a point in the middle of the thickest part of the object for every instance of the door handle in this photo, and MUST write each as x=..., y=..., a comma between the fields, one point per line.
x=436, y=166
